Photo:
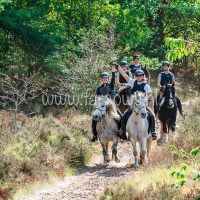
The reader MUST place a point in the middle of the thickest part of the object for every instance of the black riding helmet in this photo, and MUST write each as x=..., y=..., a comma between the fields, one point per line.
x=136, y=56
x=104, y=74
x=165, y=63
x=123, y=63
x=139, y=72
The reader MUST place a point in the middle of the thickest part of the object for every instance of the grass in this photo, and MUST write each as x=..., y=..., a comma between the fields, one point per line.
x=152, y=183
x=42, y=149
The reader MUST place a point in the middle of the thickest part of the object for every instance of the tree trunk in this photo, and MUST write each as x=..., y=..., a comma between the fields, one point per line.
x=159, y=39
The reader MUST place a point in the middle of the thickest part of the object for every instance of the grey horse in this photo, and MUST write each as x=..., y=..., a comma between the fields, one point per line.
x=105, y=114
x=137, y=127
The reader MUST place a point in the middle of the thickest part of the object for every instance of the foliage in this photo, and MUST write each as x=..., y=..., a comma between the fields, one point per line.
x=178, y=48
x=185, y=174
x=42, y=148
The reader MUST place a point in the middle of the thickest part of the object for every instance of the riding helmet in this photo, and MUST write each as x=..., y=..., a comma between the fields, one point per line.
x=165, y=63
x=139, y=72
x=136, y=56
x=123, y=63
x=104, y=74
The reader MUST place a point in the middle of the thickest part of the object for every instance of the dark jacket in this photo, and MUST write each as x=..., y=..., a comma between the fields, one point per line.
x=107, y=89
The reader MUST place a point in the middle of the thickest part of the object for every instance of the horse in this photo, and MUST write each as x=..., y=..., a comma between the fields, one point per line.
x=167, y=112
x=137, y=127
x=121, y=99
x=105, y=114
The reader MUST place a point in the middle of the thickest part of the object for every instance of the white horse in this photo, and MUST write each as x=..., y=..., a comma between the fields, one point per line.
x=105, y=113
x=137, y=127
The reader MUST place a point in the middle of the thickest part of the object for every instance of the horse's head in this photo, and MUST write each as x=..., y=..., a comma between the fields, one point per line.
x=104, y=105
x=168, y=94
x=100, y=108
x=139, y=103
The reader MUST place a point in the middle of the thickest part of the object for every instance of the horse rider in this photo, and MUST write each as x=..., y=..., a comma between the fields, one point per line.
x=106, y=88
x=164, y=78
x=119, y=78
x=137, y=85
x=136, y=65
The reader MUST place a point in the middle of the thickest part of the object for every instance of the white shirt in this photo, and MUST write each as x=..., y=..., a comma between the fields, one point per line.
x=131, y=82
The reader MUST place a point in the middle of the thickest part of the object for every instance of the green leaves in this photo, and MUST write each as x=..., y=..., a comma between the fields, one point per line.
x=172, y=148
x=182, y=153
x=178, y=48
x=194, y=152
x=185, y=172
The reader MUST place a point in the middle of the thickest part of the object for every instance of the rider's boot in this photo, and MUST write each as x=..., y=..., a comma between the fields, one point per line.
x=94, y=131
x=152, y=125
x=154, y=134
x=122, y=131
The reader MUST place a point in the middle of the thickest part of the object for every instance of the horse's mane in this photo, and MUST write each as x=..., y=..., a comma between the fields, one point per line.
x=133, y=96
x=112, y=111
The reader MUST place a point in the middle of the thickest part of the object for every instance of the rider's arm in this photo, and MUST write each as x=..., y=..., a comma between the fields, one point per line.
x=148, y=75
x=112, y=82
x=148, y=91
x=117, y=79
x=173, y=80
x=123, y=73
x=158, y=82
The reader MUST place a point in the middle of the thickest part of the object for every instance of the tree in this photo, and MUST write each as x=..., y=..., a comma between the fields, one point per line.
x=15, y=91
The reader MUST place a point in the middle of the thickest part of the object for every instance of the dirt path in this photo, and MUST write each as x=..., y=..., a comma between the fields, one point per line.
x=95, y=178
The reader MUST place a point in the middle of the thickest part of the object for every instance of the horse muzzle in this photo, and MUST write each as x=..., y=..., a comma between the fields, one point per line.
x=143, y=114
x=96, y=118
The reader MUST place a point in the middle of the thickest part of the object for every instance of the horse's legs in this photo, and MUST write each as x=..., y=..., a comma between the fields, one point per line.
x=135, y=153
x=164, y=138
x=114, y=150
x=161, y=129
x=143, y=150
x=105, y=153
x=149, y=142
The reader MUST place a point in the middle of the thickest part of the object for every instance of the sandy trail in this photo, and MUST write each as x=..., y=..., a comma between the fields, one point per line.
x=93, y=180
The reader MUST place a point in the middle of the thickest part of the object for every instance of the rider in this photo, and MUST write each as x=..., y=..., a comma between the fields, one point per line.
x=106, y=88
x=119, y=78
x=137, y=85
x=136, y=65
x=164, y=78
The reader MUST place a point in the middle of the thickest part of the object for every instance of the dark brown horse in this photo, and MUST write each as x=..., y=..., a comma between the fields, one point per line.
x=121, y=99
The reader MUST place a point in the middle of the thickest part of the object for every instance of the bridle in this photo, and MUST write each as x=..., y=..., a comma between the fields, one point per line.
x=139, y=108
x=101, y=111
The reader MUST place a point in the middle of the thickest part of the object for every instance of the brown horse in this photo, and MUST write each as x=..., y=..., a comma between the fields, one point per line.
x=121, y=99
